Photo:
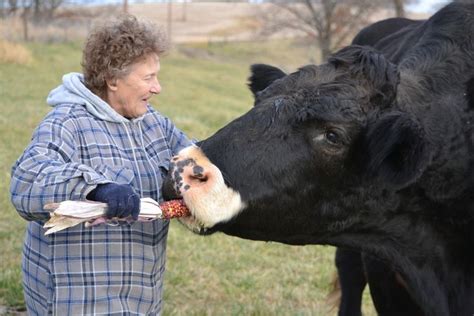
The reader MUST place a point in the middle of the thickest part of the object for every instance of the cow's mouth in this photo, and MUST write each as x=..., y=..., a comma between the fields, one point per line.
x=201, y=185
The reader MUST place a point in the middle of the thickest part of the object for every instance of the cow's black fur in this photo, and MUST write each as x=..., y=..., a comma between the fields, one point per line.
x=352, y=280
x=378, y=31
x=355, y=269
x=372, y=151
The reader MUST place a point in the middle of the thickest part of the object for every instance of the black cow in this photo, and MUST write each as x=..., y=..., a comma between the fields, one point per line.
x=356, y=269
x=369, y=152
x=374, y=33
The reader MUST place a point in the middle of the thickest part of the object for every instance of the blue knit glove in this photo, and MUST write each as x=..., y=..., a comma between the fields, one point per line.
x=121, y=200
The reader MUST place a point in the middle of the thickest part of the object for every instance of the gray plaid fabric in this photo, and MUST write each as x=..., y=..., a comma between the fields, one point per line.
x=103, y=269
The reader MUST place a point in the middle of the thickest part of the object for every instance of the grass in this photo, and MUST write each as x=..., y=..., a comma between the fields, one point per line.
x=214, y=275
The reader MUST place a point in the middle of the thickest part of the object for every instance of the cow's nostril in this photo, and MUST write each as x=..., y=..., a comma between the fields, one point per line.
x=198, y=174
x=198, y=177
x=194, y=175
x=203, y=179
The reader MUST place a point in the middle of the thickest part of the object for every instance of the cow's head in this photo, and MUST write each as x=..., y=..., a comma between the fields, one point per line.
x=322, y=149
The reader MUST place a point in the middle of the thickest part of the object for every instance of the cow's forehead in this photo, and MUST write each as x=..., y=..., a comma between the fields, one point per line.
x=307, y=77
x=316, y=84
x=336, y=101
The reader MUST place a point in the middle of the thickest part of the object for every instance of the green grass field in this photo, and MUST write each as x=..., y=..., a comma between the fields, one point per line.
x=204, y=87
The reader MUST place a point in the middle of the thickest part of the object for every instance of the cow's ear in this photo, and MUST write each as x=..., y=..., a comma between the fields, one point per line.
x=379, y=75
x=396, y=149
x=262, y=76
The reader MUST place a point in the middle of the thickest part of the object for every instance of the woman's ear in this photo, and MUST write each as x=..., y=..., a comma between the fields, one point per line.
x=395, y=149
x=111, y=84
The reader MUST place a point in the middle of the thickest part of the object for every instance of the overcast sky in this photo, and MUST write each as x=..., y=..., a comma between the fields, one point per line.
x=427, y=5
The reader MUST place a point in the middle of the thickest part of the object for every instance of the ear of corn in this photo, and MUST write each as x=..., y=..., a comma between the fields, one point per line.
x=70, y=213
x=174, y=208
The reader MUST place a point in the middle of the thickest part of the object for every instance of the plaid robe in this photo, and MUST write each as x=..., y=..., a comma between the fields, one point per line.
x=104, y=269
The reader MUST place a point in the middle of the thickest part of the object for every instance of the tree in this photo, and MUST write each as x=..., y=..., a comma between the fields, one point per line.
x=399, y=7
x=41, y=10
x=24, y=17
x=330, y=23
x=13, y=6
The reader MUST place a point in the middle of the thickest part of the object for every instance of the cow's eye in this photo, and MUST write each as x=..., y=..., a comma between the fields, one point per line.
x=332, y=137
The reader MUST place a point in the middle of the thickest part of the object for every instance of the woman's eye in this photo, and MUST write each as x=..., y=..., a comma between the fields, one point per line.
x=332, y=137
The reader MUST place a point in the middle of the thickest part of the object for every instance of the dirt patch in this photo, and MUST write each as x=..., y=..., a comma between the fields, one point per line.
x=202, y=22
x=186, y=22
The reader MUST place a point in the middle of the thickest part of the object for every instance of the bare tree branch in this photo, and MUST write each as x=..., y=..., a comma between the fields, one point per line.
x=330, y=22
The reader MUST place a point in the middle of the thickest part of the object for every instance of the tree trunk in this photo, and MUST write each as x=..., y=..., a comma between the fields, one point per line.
x=169, y=19
x=125, y=6
x=36, y=10
x=399, y=8
x=183, y=16
x=325, y=46
x=13, y=6
x=25, y=24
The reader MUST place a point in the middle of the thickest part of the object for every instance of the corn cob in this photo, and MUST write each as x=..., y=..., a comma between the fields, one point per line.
x=174, y=208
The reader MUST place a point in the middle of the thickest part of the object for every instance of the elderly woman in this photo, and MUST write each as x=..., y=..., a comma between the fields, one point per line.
x=102, y=141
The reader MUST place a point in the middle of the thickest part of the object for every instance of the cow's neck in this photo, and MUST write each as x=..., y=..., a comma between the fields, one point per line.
x=422, y=252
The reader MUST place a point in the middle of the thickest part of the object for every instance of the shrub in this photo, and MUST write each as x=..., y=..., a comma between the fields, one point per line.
x=12, y=53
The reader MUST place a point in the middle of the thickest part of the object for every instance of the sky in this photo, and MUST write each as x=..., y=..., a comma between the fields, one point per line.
x=419, y=6
x=428, y=6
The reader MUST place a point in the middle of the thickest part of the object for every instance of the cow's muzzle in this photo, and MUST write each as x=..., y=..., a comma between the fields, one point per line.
x=200, y=183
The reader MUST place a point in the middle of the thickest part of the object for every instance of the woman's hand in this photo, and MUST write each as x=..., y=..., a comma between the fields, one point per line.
x=121, y=199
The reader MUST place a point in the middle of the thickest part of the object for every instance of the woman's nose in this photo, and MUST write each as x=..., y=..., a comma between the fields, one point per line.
x=155, y=87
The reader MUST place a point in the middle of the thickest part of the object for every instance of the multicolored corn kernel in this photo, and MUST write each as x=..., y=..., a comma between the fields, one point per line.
x=174, y=208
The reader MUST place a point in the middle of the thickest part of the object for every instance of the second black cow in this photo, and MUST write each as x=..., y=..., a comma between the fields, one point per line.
x=357, y=269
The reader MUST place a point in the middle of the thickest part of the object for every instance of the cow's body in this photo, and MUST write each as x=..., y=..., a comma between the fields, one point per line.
x=359, y=153
x=377, y=32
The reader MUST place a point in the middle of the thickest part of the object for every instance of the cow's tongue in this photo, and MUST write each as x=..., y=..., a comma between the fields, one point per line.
x=174, y=208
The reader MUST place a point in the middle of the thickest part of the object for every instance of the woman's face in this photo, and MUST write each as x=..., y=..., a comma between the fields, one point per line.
x=129, y=95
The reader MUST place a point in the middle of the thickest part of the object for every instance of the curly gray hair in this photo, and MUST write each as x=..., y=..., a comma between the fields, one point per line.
x=112, y=47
